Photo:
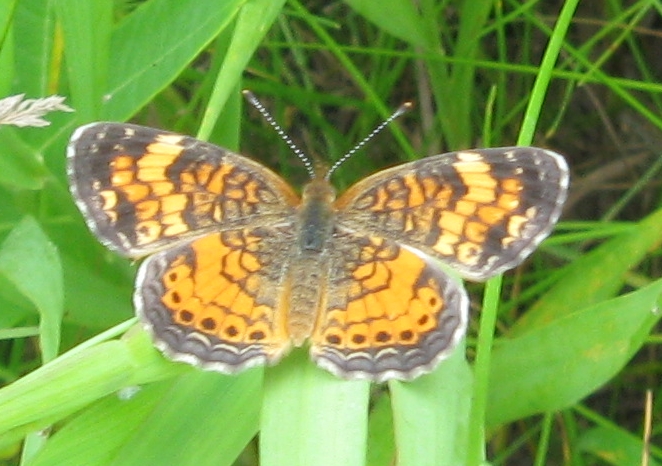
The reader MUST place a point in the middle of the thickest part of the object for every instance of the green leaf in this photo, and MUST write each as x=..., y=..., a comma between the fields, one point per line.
x=200, y=418
x=20, y=166
x=431, y=414
x=602, y=272
x=381, y=444
x=86, y=28
x=455, y=93
x=78, y=378
x=400, y=19
x=614, y=446
x=60, y=388
x=31, y=262
x=556, y=365
x=312, y=417
x=154, y=44
x=7, y=45
x=98, y=291
x=254, y=21
x=34, y=30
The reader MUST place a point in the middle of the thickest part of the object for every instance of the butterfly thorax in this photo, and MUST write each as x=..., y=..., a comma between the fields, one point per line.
x=315, y=216
x=309, y=262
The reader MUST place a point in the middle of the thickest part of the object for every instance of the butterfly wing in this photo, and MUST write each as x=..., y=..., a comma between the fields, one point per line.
x=482, y=211
x=219, y=301
x=141, y=189
x=391, y=313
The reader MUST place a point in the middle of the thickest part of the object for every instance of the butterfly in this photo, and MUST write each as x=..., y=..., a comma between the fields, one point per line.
x=239, y=268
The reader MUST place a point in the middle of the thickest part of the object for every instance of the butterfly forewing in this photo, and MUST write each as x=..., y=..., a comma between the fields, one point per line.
x=482, y=211
x=142, y=189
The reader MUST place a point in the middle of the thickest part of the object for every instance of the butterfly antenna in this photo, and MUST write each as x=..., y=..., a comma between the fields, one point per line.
x=307, y=163
x=404, y=108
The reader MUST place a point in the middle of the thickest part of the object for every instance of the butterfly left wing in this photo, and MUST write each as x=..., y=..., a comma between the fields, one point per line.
x=389, y=312
x=482, y=211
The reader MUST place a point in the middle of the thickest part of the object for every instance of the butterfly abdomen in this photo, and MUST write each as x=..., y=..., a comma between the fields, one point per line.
x=309, y=262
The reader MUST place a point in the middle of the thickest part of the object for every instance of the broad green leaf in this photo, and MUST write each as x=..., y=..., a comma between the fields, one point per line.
x=20, y=165
x=558, y=364
x=34, y=30
x=595, y=276
x=400, y=19
x=614, y=445
x=99, y=282
x=30, y=261
x=200, y=418
x=312, y=417
x=86, y=28
x=98, y=291
x=16, y=308
x=7, y=45
x=152, y=46
x=431, y=414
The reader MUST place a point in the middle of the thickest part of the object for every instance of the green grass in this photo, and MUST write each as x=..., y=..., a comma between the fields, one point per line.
x=560, y=353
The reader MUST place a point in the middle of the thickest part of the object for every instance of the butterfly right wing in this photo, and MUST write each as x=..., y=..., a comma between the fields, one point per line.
x=141, y=189
x=219, y=302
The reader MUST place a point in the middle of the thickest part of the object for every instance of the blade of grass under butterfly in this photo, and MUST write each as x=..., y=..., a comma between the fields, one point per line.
x=430, y=414
x=311, y=417
x=199, y=418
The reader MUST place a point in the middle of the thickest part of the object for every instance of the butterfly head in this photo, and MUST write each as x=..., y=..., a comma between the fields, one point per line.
x=319, y=189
